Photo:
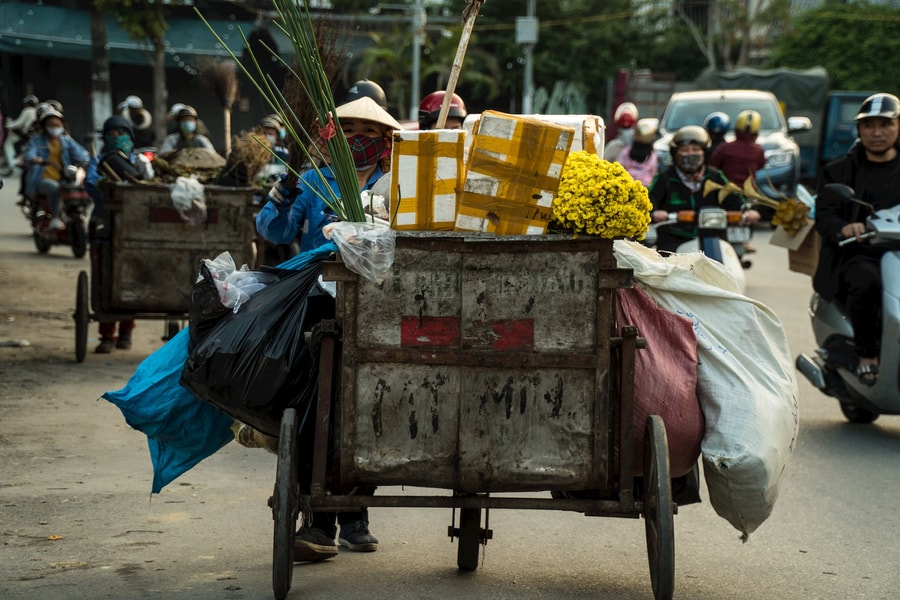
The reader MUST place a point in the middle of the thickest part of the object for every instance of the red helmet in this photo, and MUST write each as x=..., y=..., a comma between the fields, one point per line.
x=430, y=108
x=626, y=116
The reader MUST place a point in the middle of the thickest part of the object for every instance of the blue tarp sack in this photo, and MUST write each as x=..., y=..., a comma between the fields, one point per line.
x=181, y=429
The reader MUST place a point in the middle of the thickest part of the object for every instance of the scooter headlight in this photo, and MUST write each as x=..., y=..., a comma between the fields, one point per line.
x=713, y=218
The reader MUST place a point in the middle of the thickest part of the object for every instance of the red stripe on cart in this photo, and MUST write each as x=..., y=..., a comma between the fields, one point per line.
x=165, y=214
x=429, y=331
x=513, y=334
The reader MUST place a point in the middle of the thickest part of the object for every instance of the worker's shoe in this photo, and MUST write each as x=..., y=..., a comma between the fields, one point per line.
x=124, y=341
x=311, y=545
x=355, y=536
x=107, y=345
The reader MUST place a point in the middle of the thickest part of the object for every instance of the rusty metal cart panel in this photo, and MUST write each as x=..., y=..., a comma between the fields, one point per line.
x=145, y=259
x=483, y=364
x=478, y=366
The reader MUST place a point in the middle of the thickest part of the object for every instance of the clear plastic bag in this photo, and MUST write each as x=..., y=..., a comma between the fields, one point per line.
x=366, y=248
x=234, y=285
x=188, y=197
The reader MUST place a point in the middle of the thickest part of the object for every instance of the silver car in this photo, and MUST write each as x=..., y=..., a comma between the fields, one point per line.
x=782, y=170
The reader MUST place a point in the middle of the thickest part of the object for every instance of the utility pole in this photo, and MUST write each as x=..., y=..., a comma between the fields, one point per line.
x=527, y=35
x=418, y=26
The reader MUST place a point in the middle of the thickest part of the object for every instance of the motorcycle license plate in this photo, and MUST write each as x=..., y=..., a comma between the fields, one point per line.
x=738, y=234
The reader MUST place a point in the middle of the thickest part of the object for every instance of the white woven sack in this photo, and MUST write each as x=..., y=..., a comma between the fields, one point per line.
x=746, y=382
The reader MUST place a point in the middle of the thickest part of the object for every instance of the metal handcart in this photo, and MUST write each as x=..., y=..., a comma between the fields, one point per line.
x=483, y=365
x=145, y=257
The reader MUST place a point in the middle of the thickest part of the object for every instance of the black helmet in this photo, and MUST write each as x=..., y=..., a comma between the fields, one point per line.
x=364, y=87
x=882, y=105
x=30, y=100
x=689, y=134
x=118, y=123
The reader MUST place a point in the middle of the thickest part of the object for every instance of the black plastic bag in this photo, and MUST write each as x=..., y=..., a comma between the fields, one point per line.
x=206, y=307
x=255, y=363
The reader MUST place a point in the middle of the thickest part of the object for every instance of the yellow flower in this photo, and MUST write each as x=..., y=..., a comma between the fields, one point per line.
x=598, y=197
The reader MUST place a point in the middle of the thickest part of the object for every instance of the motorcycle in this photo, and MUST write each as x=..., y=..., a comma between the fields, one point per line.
x=831, y=368
x=76, y=206
x=713, y=232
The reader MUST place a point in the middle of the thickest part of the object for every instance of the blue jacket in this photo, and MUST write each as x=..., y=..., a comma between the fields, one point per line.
x=39, y=146
x=92, y=177
x=307, y=215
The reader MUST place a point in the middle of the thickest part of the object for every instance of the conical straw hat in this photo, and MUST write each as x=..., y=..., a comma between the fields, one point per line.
x=368, y=109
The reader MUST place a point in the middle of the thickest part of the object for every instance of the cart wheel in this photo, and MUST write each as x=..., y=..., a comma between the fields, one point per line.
x=285, y=504
x=658, y=509
x=81, y=316
x=79, y=238
x=469, y=539
x=42, y=245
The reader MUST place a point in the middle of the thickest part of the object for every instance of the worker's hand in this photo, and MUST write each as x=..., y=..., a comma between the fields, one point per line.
x=659, y=215
x=281, y=194
x=853, y=230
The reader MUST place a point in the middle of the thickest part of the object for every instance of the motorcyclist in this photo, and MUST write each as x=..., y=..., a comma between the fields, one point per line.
x=716, y=125
x=118, y=162
x=852, y=273
x=368, y=88
x=132, y=109
x=625, y=118
x=186, y=136
x=47, y=156
x=638, y=158
x=17, y=131
x=742, y=157
x=250, y=163
x=430, y=110
x=682, y=186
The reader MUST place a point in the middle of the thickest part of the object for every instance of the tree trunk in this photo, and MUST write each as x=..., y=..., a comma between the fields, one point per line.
x=227, y=119
x=101, y=96
x=161, y=92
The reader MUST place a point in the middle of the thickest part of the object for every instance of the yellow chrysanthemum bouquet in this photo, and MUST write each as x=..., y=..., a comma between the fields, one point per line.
x=597, y=197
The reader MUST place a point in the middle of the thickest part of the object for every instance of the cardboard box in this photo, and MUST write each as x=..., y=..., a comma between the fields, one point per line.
x=426, y=174
x=590, y=130
x=803, y=247
x=512, y=174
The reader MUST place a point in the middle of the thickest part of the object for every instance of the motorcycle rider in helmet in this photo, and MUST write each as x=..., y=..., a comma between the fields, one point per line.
x=742, y=157
x=430, y=110
x=639, y=158
x=47, y=156
x=681, y=186
x=852, y=273
x=625, y=118
x=17, y=131
x=132, y=109
x=716, y=125
x=187, y=135
x=365, y=87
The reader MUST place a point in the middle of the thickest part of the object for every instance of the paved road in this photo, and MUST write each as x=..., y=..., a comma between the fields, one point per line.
x=70, y=468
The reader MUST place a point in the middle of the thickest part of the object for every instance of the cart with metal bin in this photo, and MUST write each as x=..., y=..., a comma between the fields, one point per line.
x=145, y=257
x=483, y=365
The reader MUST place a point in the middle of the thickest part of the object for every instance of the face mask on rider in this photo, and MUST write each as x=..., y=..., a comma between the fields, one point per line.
x=366, y=150
x=121, y=142
x=689, y=163
x=55, y=132
x=271, y=139
x=188, y=126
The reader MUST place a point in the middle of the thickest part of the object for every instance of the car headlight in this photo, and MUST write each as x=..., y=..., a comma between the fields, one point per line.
x=779, y=158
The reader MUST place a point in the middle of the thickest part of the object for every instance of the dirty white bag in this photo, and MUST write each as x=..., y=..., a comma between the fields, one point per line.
x=189, y=198
x=746, y=381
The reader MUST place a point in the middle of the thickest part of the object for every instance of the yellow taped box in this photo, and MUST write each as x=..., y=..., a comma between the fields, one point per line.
x=590, y=130
x=512, y=174
x=426, y=173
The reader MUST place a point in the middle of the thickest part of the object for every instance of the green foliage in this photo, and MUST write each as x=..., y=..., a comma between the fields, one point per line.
x=854, y=42
x=141, y=20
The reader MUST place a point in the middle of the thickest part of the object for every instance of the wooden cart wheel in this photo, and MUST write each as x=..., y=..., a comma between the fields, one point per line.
x=659, y=514
x=81, y=316
x=469, y=539
x=285, y=504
